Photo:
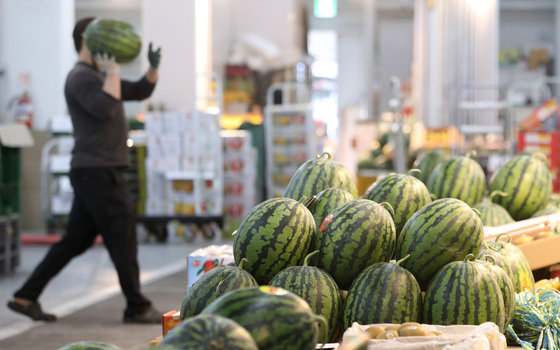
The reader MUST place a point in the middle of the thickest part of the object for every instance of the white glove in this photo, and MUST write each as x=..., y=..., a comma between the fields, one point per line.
x=106, y=63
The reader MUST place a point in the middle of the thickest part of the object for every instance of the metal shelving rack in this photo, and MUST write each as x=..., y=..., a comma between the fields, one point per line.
x=289, y=134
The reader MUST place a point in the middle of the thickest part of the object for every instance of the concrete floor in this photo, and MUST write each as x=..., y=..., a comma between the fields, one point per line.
x=87, y=299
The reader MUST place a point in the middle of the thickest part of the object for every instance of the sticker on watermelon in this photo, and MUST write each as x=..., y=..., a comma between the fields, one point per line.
x=326, y=222
x=272, y=290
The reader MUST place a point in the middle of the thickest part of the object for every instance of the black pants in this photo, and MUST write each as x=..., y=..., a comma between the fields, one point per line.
x=101, y=205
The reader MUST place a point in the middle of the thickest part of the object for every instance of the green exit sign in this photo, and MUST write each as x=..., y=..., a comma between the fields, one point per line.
x=325, y=8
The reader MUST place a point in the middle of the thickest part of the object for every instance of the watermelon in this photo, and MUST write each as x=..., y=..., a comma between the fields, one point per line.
x=276, y=234
x=442, y=231
x=316, y=287
x=461, y=178
x=497, y=258
x=89, y=345
x=357, y=234
x=404, y=193
x=115, y=37
x=528, y=182
x=204, y=332
x=214, y=284
x=317, y=175
x=275, y=318
x=506, y=286
x=464, y=293
x=427, y=163
x=493, y=214
x=548, y=210
x=326, y=201
x=523, y=278
x=383, y=293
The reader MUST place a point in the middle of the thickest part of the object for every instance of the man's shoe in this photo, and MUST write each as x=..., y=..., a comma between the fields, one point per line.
x=151, y=315
x=32, y=310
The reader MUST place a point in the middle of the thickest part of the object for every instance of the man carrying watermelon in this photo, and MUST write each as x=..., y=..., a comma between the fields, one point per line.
x=94, y=94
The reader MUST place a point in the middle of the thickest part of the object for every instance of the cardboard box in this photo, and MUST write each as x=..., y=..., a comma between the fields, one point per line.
x=203, y=260
x=547, y=110
x=170, y=320
x=542, y=252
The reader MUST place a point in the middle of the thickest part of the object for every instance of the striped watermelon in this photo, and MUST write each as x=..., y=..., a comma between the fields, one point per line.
x=459, y=177
x=326, y=201
x=316, y=287
x=548, y=210
x=112, y=36
x=89, y=345
x=528, y=182
x=404, y=193
x=493, y=214
x=463, y=293
x=442, y=231
x=275, y=318
x=357, y=234
x=205, y=332
x=427, y=163
x=506, y=286
x=383, y=293
x=521, y=270
x=214, y=284
x=498, y=259
x=317, y=175
x=276, y=234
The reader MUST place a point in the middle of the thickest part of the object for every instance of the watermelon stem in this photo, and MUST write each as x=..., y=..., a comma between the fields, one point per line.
x=323, y=329
x=306, y=260
x=491, y=258
x=398, y=262
x=498, y=193
x=472, y=153
x=242, y=263
x=469, y=257
x=414, y=170
x=389, y=207
x=477, y=212
x=319, y=156
x=310, y=201
x=503, y=234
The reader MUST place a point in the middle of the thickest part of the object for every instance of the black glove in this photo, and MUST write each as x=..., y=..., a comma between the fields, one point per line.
x=154, y=56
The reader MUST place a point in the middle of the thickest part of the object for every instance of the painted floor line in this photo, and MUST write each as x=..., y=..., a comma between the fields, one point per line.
x=72, y=306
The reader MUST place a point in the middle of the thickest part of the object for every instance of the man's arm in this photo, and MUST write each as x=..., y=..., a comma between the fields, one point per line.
x=143, y=88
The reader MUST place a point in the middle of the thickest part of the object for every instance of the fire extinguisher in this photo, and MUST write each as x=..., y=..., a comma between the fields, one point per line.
x=24, y=110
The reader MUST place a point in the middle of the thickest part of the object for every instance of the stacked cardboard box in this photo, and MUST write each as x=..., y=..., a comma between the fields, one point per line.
x=240, y=173
x=183, y=166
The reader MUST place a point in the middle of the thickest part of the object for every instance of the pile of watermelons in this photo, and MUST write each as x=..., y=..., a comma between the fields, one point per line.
x=309, y=264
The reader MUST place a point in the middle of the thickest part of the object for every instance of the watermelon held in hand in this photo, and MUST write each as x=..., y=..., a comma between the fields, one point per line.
x=275, y=318
x=215, y=283
x=89, y=345
x=115, y=37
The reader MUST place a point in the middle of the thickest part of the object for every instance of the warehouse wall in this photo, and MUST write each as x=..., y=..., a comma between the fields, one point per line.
x=36, y=39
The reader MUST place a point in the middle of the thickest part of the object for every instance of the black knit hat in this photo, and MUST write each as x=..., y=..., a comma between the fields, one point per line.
x=79, y=30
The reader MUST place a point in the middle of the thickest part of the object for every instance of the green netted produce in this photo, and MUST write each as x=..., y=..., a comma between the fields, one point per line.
x=536, y=323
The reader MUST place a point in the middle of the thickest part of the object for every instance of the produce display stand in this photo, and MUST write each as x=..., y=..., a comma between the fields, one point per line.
x=289, y=135
x=540, y=252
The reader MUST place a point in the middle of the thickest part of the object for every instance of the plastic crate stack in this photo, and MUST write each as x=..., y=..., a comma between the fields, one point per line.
x=183, y=164
x=10, y=187
x=240, y=177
